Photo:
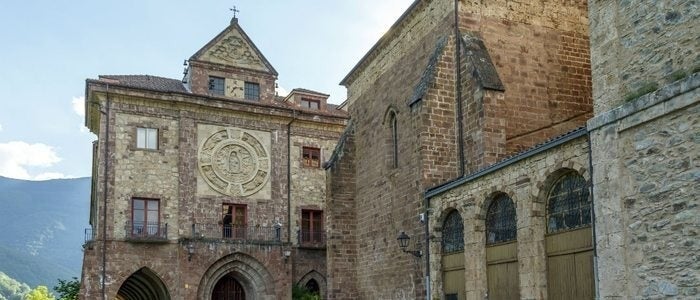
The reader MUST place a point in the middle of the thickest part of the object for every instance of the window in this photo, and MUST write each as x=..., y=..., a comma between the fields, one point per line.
x=145, y=217
x=216, y=85
x=312, y=226
x=500, y=221
x=311, y=157
x=147, y=138
x=394, y=140
x=310, y=104
x=453, y=233
x=234, y=221
x=568, y=204
x=252, y=91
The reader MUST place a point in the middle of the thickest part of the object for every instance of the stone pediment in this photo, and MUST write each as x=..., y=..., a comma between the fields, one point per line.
x=232, y=47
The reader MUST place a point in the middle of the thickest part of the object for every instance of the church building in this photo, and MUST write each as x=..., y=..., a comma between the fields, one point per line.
x=521, y=150
x=210, y=186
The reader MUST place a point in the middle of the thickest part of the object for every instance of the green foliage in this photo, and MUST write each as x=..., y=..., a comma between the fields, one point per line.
x=39, y=293
x=301, y=293
x=678, y=75
x=11, y=289
x=645, y=89
x=68, y=289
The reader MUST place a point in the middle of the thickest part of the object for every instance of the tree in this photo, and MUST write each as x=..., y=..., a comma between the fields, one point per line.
x=68, y=289
x=39, y=293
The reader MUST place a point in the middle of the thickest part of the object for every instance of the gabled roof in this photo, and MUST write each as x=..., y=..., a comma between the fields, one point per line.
x=233, y=47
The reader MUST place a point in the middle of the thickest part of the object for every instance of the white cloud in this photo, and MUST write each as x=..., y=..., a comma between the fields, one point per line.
x=79, y=105
x=16, y=156
x=0, y=127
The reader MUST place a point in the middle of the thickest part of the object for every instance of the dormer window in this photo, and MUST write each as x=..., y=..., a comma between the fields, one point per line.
x=216, y=86
x=310, y=104
x=252, y=91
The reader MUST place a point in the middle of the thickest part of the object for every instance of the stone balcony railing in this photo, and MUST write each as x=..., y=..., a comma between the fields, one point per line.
x=237, y=233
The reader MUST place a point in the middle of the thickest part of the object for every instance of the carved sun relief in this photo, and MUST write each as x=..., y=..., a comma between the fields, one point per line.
x=234, y=162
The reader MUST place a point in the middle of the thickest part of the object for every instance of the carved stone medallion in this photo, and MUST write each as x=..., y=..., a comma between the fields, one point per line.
x=233, y=162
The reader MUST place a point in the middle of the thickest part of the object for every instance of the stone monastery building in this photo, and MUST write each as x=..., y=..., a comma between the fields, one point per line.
x=210, y=186
x=492, y=149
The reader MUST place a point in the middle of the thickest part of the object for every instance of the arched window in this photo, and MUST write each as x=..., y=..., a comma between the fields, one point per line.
x=568, y=204
x=312, y=286
x=453, y=233
x=394, y=140
x=501, y=221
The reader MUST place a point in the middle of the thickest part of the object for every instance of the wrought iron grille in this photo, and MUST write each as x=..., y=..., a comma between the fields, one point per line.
x=315, y=238
x=453, y=233
x=568, y=205
x=237, y=232
x=501, y=223
x=146, y=231
x=89, y=235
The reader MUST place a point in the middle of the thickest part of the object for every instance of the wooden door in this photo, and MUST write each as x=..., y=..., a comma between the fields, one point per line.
x=228, y=288
x=570, y=265
x=502, y=271
x=453, y=276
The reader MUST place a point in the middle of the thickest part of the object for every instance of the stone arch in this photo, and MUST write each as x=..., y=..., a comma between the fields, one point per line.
x=257, y=282
x=318, y=277
x=390, y=110
x=144, y=284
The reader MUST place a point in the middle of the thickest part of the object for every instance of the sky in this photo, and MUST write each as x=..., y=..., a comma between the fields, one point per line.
x=50, y=47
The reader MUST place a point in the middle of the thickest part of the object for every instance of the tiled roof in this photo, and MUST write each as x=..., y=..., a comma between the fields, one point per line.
x=308, y=91
x=160, y=84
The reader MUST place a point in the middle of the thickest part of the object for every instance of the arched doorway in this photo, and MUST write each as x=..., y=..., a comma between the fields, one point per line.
x=237, y=271
x=453, y=257
x=569, y=242
x=312, y=286
x=502, y=249
x=143, y=284
x=228, y=288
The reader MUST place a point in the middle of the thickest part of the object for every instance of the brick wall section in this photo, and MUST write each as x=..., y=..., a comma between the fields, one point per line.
x=527, y=182
x=540, y=49
x=638, y=43
x=436, y=122
x=341, y=219
x=645, y=183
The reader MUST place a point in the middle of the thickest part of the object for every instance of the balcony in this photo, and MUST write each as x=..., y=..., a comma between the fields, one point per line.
x=236, y=233
x=312, y=239
x=89, y=235
x=146, y=232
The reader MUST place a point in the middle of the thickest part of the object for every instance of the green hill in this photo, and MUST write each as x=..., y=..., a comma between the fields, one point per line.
x=43, y=228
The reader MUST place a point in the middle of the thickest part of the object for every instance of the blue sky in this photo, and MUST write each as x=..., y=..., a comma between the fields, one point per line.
x=50, y=47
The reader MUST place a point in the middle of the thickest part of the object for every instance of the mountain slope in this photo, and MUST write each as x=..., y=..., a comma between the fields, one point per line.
x=43, y=224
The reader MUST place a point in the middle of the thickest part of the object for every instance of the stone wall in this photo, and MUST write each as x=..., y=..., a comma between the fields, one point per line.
x=527, y=183
x=540, y=50
x=639, y=46
x=646, y=174
x=172, y=174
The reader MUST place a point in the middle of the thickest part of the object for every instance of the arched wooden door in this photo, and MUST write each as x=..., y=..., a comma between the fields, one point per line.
x=453, y=257
x=569, y=241
x=228, y=288
x=502, y=250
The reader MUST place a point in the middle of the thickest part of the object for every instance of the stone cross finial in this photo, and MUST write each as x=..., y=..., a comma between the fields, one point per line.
x=235, y=11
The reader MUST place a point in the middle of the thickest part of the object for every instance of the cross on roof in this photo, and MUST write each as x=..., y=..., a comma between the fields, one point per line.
x=234, y=10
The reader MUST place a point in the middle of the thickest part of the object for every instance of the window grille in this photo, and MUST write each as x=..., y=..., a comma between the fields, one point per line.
x=501, y=225
x=252, y=91
x=453, y=233
x=568, y=204
x=216, y=85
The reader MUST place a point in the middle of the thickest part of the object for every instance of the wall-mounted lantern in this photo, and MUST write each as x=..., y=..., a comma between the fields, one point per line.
x=404, y=240
x=190, y=251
